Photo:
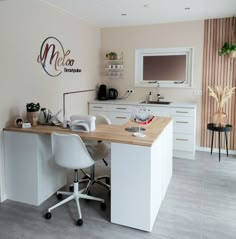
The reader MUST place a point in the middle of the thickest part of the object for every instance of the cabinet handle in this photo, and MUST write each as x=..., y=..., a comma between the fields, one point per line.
x=120, y=117
x=182, y=122
x=182, y=139
x=97, y=107
x=182, y=112
x=121, y=108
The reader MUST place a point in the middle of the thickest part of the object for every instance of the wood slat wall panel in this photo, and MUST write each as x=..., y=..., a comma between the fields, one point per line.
x=218, y=70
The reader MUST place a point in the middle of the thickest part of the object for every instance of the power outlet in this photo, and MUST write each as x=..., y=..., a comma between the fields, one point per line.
x=130, y=90
x=197, y=92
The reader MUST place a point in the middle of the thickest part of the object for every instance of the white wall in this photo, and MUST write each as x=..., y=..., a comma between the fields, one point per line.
x=24, y=25
x=126, y=39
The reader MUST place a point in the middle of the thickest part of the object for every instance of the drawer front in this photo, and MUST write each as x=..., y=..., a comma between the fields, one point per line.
x=182, y=112
x=94, y=112
x=158, y=111
x=119, y=118
x=97, y=107
x=183, y=125
x=183, y=142
x=120, y=108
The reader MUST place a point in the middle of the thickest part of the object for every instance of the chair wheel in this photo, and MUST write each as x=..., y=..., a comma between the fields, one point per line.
x=108, y=181
x=59, y=196
x=48, y=215
x=79, y=222
x=103, y=205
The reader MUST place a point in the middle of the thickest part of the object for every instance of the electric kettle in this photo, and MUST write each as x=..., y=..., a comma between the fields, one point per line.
x=112, y=94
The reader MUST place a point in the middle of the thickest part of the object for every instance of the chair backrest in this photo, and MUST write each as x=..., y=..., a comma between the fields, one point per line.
x=88, y=119
x=102, y=119
x=69, y=151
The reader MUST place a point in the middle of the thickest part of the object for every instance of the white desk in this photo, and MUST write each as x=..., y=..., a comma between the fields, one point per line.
x=141, y=168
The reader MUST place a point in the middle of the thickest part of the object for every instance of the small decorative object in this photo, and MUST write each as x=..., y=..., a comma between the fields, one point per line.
x=32, y=113
x=111, y=55
x=45, y=116
x=19, y=122
x=26, y=125
x=228, y=49
x=221, y=95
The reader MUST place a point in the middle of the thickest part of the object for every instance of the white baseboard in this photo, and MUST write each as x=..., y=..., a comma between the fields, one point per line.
x=184, y=154
x=215, y=150
x=3, y=197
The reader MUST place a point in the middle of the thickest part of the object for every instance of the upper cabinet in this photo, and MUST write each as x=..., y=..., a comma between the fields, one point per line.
x=114, y=65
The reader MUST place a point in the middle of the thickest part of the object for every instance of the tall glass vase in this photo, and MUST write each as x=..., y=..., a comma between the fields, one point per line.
x=220, y=118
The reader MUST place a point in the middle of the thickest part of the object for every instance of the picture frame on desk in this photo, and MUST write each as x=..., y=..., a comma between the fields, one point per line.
x=19, y=122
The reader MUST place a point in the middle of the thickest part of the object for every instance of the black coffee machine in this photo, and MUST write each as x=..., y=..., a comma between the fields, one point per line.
x=102, y=92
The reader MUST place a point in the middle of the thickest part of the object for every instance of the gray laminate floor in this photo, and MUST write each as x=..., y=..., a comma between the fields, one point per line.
x=200, y=204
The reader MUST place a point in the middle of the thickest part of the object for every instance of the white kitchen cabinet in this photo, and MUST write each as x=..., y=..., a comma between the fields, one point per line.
x=184, y=131
x=118, y=118
x=158, y=111
x=183, y=115
x=117, y=113
x=98, y=109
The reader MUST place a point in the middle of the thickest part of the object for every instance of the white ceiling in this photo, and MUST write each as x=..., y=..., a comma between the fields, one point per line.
x=108, y=13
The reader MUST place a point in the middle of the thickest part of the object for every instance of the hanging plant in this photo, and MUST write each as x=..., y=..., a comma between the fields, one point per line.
x=228, y=49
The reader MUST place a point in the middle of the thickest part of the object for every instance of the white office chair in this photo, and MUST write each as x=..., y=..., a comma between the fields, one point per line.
x=70, y=152
x=102, y=119
x=98, y=151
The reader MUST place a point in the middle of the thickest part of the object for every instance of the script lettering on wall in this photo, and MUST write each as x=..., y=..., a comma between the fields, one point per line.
x=54, y=59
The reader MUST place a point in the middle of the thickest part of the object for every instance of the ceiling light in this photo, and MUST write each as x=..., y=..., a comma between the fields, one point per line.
x=147, y=5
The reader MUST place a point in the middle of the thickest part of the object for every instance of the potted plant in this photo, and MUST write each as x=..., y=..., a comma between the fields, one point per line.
x=111, y=55
x=221, y=96
x=228, y=49
x=32, y=112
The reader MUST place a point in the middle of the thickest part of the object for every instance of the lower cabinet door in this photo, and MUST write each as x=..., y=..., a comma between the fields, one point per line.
x=183, y=142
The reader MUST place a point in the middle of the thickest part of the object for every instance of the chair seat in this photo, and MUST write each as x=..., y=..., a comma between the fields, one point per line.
x=97, y=151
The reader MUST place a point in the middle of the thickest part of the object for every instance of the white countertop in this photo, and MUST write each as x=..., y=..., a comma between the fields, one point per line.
x=136, y=102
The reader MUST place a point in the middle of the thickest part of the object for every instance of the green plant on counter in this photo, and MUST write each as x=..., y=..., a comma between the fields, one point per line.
x=32, y=107
x=111, y=55
x=227, y=48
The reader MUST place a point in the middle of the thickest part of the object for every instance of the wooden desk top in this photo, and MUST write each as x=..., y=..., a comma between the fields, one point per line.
x=111, y=133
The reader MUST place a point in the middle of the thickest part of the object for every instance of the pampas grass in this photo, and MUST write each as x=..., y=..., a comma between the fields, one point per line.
x=221, y=95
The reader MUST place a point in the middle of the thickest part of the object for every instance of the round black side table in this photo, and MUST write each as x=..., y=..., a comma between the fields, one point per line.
x=227, y=128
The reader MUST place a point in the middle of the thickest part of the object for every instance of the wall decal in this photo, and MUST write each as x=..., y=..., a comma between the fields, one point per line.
x=54, y=59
